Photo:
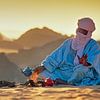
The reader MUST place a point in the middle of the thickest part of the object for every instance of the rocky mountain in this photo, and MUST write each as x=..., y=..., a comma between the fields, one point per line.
x=99, y=42
x=10, y=45
x=32, y=38
x=7, y=45
x=3, y=38
x=37, y=37
x=9, y=71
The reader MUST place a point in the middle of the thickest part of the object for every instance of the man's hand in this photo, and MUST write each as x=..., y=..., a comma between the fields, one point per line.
x=39, y=69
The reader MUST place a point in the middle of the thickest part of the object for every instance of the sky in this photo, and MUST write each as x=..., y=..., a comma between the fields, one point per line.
x=18, y=16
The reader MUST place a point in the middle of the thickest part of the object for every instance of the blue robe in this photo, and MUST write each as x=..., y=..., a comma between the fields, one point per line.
x=60, y=64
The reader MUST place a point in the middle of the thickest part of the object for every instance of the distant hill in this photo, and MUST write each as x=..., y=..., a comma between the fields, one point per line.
x=35, y=55
x=99, y=42
x=10, y=45
x=7, y=45
x=9, y=71
x=4, y=38
x=1, y=37
x=37, y=37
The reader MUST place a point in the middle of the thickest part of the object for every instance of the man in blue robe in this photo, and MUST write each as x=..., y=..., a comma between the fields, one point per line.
x=77, y=60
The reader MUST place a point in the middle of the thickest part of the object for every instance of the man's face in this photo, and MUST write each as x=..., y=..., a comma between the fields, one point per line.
x=82, y=31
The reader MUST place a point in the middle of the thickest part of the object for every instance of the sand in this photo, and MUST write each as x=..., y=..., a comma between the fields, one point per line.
x=50, y=93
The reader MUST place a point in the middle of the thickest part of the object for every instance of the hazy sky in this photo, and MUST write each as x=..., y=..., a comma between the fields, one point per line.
x=18, y=16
